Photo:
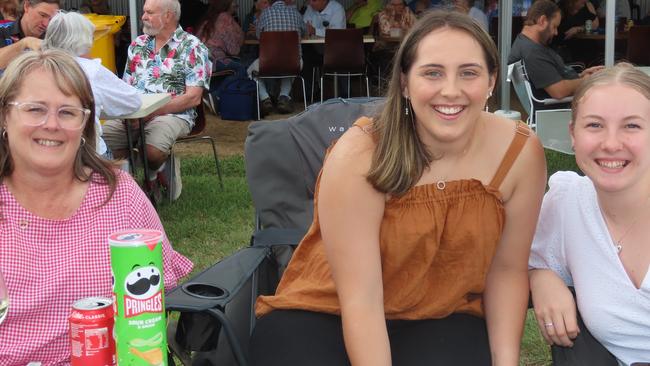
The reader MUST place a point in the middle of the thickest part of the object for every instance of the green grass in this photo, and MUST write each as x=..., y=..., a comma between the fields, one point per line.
x=208, y=223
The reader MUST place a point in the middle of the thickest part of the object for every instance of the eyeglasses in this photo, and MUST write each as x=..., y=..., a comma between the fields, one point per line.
x=35, y=114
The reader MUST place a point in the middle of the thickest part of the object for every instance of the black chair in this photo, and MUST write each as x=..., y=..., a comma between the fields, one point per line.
x=279, y=59
x=344, y=55
x=283, y=159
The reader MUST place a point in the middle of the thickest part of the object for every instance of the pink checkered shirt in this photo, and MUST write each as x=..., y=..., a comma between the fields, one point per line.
x=48, y=264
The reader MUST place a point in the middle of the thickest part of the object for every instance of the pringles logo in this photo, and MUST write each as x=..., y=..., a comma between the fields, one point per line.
x=143, y=291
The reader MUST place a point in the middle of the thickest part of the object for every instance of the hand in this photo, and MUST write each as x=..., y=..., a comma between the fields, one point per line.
x=590, y=71
x=31, y=43
x=555, y=308
x=572, y=32
x=310, y=29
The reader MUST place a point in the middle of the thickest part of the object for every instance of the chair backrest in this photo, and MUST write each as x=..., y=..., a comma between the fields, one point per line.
x=638, y=46
x=279, y=53
x=344, y=51
x=552, y=129
x=284, y=157
x=517, y=76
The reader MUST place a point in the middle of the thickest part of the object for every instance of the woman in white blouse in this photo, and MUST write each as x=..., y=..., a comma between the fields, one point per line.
x=73, y=33
x=593, y=230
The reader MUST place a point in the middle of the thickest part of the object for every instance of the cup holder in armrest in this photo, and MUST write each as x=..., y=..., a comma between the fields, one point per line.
x=204, y=291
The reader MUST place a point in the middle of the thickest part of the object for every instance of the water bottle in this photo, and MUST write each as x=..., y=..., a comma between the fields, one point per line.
x=588, y=26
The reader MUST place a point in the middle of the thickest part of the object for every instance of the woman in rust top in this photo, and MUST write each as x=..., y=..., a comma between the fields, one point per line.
x=423, y=221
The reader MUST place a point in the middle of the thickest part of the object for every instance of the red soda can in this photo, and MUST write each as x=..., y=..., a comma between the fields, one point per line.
x=91, y=332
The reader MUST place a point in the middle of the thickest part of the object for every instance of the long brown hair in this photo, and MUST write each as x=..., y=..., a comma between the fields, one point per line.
x=71, y=80
x=206, y=25
x=400, y=157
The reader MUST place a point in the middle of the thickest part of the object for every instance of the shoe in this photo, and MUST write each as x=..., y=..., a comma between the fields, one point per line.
x=266, y=107
x=171, y=181
x=284, y=104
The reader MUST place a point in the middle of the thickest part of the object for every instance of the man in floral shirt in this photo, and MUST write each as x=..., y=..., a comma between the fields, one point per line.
x=165, y=59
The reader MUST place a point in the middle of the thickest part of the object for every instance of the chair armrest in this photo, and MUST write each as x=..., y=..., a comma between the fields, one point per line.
x=216, y=308
x=229, y=275
x=551, y=101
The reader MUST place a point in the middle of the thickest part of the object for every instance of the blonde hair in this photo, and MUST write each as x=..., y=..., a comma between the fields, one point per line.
x=400, y=157
x=622, y=73
x=71, y=80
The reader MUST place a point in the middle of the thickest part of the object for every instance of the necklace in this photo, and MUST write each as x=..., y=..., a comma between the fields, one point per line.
x=617, y=243
x=441, y=184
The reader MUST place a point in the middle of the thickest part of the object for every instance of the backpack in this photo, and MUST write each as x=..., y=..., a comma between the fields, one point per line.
x=238, y=99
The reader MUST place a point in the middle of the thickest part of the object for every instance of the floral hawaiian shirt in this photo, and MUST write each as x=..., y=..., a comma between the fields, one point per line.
x=182, y=61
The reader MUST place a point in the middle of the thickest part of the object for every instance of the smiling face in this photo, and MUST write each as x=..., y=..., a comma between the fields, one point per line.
x=46, y=149
x=448, y=88
x=612, y=144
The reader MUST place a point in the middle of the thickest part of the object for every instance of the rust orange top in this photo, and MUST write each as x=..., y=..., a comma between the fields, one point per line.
x=436, y=248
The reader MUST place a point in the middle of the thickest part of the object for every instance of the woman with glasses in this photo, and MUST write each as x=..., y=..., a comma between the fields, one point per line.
x=73, y=33
x=59, y=202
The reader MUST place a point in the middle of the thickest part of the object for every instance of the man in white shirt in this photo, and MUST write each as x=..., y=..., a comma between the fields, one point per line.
x=323, y=14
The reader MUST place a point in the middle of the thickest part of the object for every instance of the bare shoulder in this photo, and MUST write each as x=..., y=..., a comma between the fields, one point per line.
x=353, y=150
x=529, y=167
x=501, y=131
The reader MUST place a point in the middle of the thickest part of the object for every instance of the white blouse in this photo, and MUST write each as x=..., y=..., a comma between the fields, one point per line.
x=112, y=95
x=572, y=239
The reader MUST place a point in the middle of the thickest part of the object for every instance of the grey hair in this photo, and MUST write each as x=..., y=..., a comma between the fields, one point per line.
x=71, y=32
x=174, y=7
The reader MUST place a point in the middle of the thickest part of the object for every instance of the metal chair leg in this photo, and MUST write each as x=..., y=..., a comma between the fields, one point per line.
x=257, y=100
x=216, y=160
x=304, y=92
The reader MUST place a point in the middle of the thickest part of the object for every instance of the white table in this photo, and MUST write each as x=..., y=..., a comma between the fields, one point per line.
x=150, y=103
x=313, y=40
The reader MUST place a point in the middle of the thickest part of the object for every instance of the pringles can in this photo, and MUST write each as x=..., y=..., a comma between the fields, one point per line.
x=91, y=332
x=138, y=295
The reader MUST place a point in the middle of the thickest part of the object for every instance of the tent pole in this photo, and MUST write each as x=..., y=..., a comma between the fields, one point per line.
x=505, y=31
x=133, y=19
x=610, y=30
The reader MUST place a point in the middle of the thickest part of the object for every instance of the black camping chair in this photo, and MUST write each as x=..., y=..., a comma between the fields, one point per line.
x=283, y=159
